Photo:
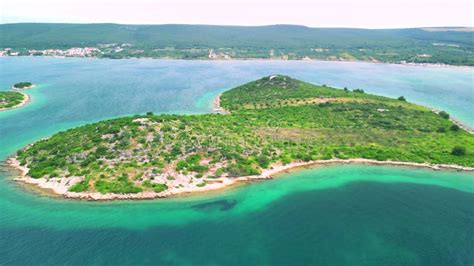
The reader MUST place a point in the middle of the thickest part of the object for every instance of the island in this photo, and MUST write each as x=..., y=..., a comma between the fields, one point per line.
x=12, y=99
x=23, y=85
x=261, y=128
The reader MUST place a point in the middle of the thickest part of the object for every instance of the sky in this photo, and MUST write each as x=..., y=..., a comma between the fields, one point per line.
x=313, y=13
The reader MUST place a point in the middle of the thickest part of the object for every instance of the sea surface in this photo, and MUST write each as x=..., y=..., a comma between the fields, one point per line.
x=333, y=215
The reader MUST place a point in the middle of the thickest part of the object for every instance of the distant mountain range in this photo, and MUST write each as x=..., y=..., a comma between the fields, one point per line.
x=419, y=45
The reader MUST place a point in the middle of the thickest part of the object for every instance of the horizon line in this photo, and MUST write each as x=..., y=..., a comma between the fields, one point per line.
x=236, y=25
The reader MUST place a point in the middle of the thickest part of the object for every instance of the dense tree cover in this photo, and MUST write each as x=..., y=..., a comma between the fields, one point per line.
x=277, y=41
x=273, y=120
x=22, y=85
x=9, y=99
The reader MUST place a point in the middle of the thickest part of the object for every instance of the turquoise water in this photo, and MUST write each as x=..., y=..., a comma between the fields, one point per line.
x=337, y=215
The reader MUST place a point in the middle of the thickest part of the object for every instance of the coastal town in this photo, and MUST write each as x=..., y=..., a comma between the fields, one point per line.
x=124, y=50
x=70, y=52
x=127, y=50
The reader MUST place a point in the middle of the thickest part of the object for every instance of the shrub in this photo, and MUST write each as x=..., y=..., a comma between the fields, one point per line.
x=458, y=151
x=181, y=165
x=263, y=161
x=203, y=184
x=219, y=172
x=101, y=151
x=116, y=187
x=443, y=114
x=79, y=187
x=160, y=187
x=454, y=128
x=199, y=168
x=401, y=98
x=241, y=170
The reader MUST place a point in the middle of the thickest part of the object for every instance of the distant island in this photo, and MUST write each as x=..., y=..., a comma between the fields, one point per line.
x=262, y=128
x=441, y=46
x=23, y=85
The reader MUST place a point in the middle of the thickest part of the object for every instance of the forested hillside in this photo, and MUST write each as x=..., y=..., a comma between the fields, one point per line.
x=277, y=41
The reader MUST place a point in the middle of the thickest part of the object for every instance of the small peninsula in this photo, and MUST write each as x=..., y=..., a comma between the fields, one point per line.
x=12, y=99
x=259, y=129
x=15, y=98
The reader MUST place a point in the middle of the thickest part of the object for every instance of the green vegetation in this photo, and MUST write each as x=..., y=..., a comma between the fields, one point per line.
x=155, y=186
x=444, y=45
x=120, y=185
x=79, y=187
x=9, y=99
x=459, y=151
x=443, y=114
x=22, y=85
x=275, y=119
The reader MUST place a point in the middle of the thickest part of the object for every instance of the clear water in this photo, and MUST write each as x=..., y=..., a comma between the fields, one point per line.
x=337, y=215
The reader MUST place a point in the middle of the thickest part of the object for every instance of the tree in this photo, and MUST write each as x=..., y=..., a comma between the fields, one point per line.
x=454, y=128
x=263, y=161
x=443, y=114
x=401, y=98
x=458, y=151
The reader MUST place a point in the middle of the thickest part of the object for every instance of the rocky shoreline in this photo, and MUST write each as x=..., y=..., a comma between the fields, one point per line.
x=60, y=186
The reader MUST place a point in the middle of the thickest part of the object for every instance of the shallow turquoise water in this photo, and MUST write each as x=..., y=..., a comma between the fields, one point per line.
x=337, y=215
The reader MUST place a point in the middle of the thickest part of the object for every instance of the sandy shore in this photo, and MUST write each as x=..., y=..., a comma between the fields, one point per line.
x=26, y=99
x=60, y=186
x=216, y=106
